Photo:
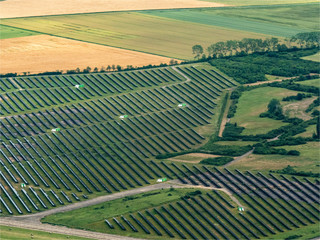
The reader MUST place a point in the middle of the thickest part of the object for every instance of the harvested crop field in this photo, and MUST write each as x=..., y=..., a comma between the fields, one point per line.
x=41, y=53
x=22, y=8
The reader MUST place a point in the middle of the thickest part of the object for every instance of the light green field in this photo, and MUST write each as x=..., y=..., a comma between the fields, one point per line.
x=295, y=16
x=10, y=32
x=92, y=218
x=259, y=2
x=313, y=82
x=307, y=161
x=13, y=233
x=254, y=102
x=131, y=30
x=243, y=19
x=315, y=57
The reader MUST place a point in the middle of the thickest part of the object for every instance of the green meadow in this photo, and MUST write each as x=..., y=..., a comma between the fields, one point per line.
x=10, y=32
x=13, y=233
x=252, y=104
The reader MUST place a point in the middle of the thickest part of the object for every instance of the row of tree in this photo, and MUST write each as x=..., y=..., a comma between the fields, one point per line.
x=251, y=45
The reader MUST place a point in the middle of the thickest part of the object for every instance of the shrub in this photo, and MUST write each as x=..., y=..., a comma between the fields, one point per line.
x=293, y=153
x=217, y=161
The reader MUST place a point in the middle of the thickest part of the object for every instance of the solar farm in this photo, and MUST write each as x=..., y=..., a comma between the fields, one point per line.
x=143, y=119
x=69, y=136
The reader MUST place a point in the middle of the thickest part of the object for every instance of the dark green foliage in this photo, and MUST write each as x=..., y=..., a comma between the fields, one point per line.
x=252, y=68
x=232, y=130
x=288, y=141
x=262, y=148
x=274, y=110
x=293, y=237
x=298, y=97
x=291, y=171
x=225, y=149
x=192, y=194
x=293, y=153
x=314, y=104
x=294, y=86
x=217, y=161
x=170, y=155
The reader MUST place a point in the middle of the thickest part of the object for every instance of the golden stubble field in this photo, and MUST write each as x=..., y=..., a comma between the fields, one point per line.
x=23, y=8
x=41, y=53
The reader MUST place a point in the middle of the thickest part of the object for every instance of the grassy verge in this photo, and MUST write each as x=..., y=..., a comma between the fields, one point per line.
x=13, y=233
x=92, y=218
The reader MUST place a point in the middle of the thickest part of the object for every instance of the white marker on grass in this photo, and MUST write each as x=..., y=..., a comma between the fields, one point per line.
x=182, y=105
x=55, y=130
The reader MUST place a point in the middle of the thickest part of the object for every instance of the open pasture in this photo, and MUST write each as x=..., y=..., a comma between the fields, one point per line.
x=21, y=8
x=41, y=53
x=252, y=104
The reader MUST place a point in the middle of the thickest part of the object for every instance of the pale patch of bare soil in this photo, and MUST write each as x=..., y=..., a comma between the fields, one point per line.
x=23, y=8
x=42, y=53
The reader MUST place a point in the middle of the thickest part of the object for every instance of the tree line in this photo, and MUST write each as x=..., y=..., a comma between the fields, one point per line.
x=251, y=45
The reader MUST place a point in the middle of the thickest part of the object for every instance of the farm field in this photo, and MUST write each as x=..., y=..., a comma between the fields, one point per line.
x=307, y=161
x=13, y=233
x=255, y=2
x=20, y=8
x=192, y=213
x=43, y=53
x=294, y=16
x=10, y=32
x=254, y=102
x=133, y=31
x=229, y=19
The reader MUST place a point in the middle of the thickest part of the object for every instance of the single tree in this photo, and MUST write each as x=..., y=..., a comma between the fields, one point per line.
x=197, y=50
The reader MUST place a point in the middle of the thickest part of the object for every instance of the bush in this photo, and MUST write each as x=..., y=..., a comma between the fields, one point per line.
x=217, y=161
x=293, y=153
x=212, y=148
x=232, y=130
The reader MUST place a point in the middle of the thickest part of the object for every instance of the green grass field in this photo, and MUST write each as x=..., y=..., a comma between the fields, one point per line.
x=315, y=57
x=10, y=32
x=313, y=82
x=228, y=19
x=254, y=102
x=307, y=161
x=13, y=233
x=92, y=218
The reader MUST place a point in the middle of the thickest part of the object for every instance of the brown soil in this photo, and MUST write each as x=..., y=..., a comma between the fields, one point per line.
x=23, y=8
x=42, y=53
